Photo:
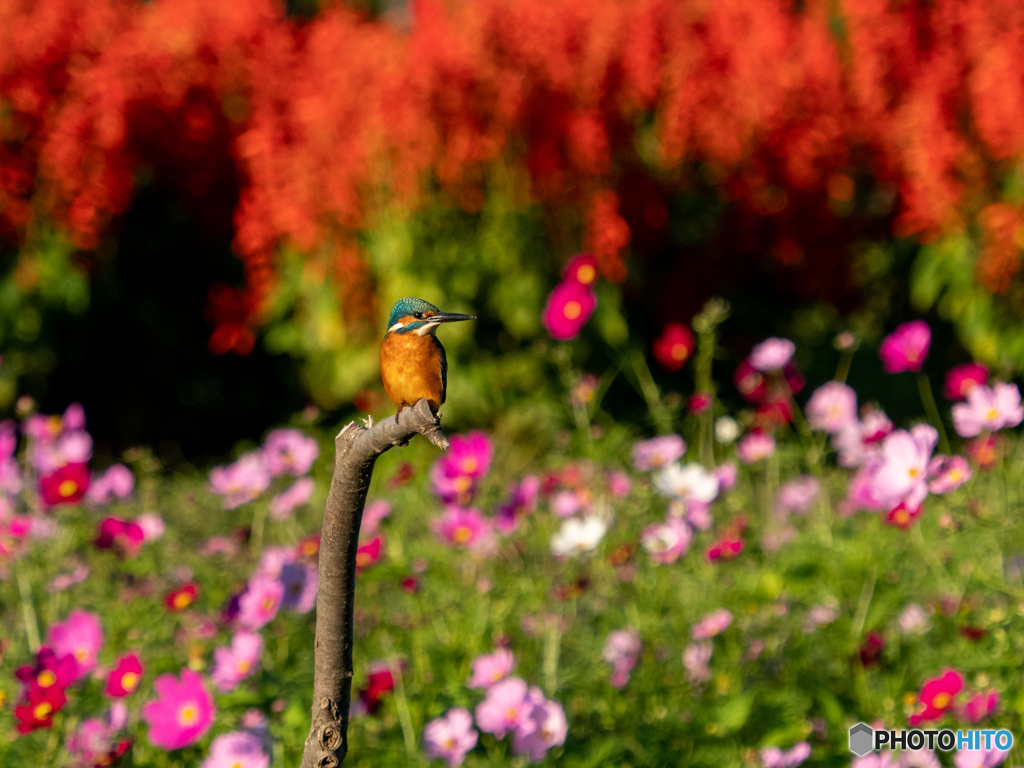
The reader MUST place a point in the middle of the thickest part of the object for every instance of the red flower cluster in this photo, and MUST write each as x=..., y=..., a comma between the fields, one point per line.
x=182, y=597
x=675, y=345
x=43, y=695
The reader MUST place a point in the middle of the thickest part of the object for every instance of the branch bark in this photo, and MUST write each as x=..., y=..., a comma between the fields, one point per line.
x=356, y=451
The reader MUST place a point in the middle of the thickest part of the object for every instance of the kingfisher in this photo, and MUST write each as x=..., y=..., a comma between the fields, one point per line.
x=413, y=364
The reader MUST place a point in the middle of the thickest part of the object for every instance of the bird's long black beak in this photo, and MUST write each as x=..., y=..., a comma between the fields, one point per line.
x=450, y=317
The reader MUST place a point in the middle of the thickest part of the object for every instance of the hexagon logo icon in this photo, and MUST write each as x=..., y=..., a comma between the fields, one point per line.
x=861, y=739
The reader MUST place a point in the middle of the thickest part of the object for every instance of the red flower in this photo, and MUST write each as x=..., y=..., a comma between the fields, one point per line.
x=903, y=516
x=937, y=696
x=38, y=712
x=773, y=413
x=750, y=382
x=369, y=554
x=700, y=402
x=122, y=535
x=66, y=485
x=567, y=310
x=675, y=345
x=581, y=269
x=963, y=378
x=181, y=598
x=871, y=648
x=985, y=450
x=411, y=585
x=379, y=682
x=309, y=548
x=725, y=549
x=49, y=671
x=124, y=679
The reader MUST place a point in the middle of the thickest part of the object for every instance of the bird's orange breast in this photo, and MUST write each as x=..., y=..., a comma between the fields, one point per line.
x=410, y=366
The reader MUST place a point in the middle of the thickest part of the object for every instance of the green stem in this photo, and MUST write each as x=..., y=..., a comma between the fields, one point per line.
x=551, y=648
x=28, y=610
x=843, y=369
x=928, y=400
x=259, y=518
x=649, y=390
x=402, y=704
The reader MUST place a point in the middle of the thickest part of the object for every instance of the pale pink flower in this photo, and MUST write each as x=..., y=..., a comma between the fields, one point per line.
x=657, y=452
x=565, y=504
x=914, y=619
x=506, y=708
x=491, y=668
x=906, y=348
x=832, y=407
x=885, y=759
x=182, y=713
x=81, y=636
x=773, y=757
x=283, y=505
x=988, y=409
x=461, y=527
x=619, y=484
x=450, y=737
x=902, y=476
x=92, y=743
x=755, y=447
x=621, y=650
x=289, y=452
x=260, y=602
x=548, y=728
x=241, y=481
x=74, y=417
x=798, y=495
x=819, y=616
x=373, y=514
x=772, y=354
x=947, y=473
x=668, y=541
x=237, y=749
x=63, y=581
x=861, y=494
x=980, y=758
x=116, y=483
x=237, y=662
x=152, y=525
x=696, y=656
x=726, y=474
x=273, y=560
x=858, y=441
x=697, y=514
x=714, y=623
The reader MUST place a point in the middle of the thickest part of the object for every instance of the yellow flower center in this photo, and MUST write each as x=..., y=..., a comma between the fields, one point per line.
x=679, y=351
x=496, y=675
x=67, y=488
x=572, y=310
x=462, y=534
x=586, y=274
x=182, y=600
x=462, y=484
x=992, y=414
x=941, y=701
x=129, y=680
x=188, y=714
x=309, y=548
x=469, y=466
x=511, y=713
x=268, y=603
x=363, y=559
x=46, y=679
x=955, y=475
x=42, y=711
x=244, y=666
x=81, y=654
x=914, y=471
x=902, y=517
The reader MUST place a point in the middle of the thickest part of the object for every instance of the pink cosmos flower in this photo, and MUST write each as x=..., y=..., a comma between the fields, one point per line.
x=124, y=536
x=74, y=417
x=373, y=514
x=522, y=501
x=963, y=378
x=241, y=481
x=657, y=452
x=182, y=713
x=582, y=269
x=92, y=743
x=755, y=447
x=913, y=619
x=461, y=527
x=283, y=505
x=237, y=662
x=152, y=525
x=697, y=514
x=714, y=623
x=548, y=728
x=79, y=635
x=772, y=354
x=885, y=759
x=980, y=758
x=798, y=495
x=668, y=541
x=14, y=533
x=773, y=757
x=906, y=348
x=125, y=677
x=289, y=452
x=566, y=503
x=237, y=749
x=455, y=474
x=65, y=485
x=10, y=476
x=491, y=668
x=567, y=310
x=903, y=473
x=726, y=474
x=980, y=706
x=370, y=552
x=936, y=696
x=619, y=484
x=857, y=441
x=947, y=473
x=8, y=439
x=506, y=708
x=450, y=737
x=261, y=601
x=832, y=407
x=696, y=656
x=621, y=650
x=301, y=582
x=64, y=581
x=116, y=483
x=988, y=408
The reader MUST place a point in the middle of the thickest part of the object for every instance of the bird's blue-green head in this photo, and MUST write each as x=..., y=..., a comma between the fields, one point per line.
x=412, y=315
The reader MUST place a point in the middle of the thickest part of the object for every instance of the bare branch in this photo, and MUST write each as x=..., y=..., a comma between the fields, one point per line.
x=356, y=450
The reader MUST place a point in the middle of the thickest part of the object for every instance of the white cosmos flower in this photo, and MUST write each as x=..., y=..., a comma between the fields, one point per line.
x=726, y=429
x=689, y=483
x=578, y=535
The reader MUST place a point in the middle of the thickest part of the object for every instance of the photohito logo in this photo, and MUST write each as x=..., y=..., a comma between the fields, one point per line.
x=864, y=739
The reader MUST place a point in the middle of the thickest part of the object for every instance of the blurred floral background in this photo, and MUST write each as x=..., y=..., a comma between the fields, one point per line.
x=783, y=239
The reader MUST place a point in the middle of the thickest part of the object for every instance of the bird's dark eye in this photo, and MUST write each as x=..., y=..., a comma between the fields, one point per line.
x=418, y=315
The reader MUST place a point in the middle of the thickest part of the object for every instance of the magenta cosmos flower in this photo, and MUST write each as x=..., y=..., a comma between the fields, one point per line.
x=567, y=310
x=772, y=354
x=450, y=737
x=456, y=474
x=261, y=601
x=755, y=447
x=621, y=650
x=125, y=677
x=902, y=476
x=714, y=623
x=832, y=407
x=522, y=501
x=961, y=379
x=289, y=452
x=657, y=452
x=988, y=409
x=182, y=713
x=461, y=527
x=283, y=505
x=906, y=348
x=581, y=269
x=491, y=668
x=237, y=662
x=242, y=481
x=237, y=749
x=506, y=708
x=80, y=636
